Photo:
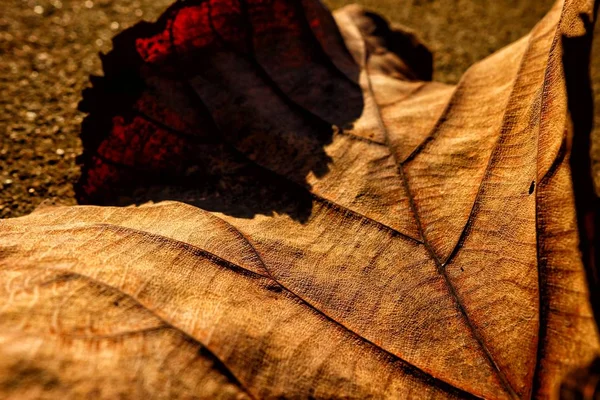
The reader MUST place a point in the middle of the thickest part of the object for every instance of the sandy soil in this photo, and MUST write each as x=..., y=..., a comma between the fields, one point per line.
x=48, y=48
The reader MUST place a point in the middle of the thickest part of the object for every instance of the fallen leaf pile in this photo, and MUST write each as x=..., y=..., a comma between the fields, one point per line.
x=343, y=227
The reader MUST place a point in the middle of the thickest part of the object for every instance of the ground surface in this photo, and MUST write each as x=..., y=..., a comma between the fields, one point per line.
x=48, y=48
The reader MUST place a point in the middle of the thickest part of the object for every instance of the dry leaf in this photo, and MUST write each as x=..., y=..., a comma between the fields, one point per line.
x=363, y=232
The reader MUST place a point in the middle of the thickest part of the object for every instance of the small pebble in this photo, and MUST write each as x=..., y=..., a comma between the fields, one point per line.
x=60, y=152
x=8, y=182
x=31, y=190
x=38, y=10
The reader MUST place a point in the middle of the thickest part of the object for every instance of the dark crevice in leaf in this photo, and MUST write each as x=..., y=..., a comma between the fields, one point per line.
x=580, y=102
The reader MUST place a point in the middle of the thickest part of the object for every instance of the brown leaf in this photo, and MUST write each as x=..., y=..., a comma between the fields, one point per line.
x=425, y=247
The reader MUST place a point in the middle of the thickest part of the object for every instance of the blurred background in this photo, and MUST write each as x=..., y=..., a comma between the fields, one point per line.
x=48, y=49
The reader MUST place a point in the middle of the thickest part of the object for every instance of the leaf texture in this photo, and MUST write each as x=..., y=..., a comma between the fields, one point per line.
x=352, y=229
